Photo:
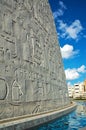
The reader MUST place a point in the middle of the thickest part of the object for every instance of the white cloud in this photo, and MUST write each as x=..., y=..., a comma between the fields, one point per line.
x=62, y=5
x=58, y=13
x=82, y=69
x=74, y=73
x=60, y=10
x=67, y=51
x=72, y=31
x=71, y=74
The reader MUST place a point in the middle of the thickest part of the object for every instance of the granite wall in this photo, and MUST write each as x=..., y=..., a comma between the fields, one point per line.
x=32, y=78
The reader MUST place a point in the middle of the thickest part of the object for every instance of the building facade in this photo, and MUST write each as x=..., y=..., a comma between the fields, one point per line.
x=32, y=78
x=78, y=90
x=70, y=91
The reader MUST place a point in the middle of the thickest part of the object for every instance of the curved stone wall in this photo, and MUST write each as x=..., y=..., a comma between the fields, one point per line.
x=32, y=78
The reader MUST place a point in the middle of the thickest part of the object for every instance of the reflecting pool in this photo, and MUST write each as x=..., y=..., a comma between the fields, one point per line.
x=72, y=121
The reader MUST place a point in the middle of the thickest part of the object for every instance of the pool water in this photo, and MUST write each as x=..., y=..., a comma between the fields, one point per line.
x=72, y=121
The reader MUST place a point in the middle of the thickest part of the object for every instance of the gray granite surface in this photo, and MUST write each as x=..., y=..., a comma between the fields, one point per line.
x=32, y=78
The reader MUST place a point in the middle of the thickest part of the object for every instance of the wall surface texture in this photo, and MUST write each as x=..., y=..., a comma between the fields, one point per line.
x=32, y=78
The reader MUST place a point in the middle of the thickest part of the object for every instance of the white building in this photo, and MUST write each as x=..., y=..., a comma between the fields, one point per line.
x=70, y=91
x=84, y=85
x=78, y=90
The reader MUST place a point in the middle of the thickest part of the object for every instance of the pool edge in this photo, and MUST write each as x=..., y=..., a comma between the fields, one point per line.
x=26, y=122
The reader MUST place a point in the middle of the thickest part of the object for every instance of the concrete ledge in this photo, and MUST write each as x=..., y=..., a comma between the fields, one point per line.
x=24, y=122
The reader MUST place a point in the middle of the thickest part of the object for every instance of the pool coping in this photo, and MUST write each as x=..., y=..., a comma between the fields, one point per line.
x=28, y=121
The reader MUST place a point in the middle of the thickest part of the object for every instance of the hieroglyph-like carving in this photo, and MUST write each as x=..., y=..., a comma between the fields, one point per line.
x=16, y=91
x=3, y=89
x=32, y=78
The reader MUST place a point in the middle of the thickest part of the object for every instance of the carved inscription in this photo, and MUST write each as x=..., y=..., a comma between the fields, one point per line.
x=3, y=89
x=32, y=78
x=16, y=91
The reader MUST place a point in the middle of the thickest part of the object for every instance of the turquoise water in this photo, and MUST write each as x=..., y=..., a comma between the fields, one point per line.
x=72, y=121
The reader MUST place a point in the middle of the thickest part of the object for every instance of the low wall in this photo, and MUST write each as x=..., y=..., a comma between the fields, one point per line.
x=25, y=122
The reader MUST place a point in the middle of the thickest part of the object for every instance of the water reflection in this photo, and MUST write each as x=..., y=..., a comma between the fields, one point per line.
x=72, y=121
x=81, y=108
x=77, y=119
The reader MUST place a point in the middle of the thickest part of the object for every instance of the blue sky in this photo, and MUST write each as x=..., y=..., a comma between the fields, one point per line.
x=70, y=21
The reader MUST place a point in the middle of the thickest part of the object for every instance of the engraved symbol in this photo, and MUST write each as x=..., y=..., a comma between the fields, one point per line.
x=1, y=54
x=3, y=89
x=28, y=4
x=16, y=91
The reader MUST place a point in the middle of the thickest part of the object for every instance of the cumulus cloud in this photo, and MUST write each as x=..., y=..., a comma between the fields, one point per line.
x=60, y=10
x=74, y=73
x=71, y=74
x=67, y=51
x=82, y=69
x=70, y=31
